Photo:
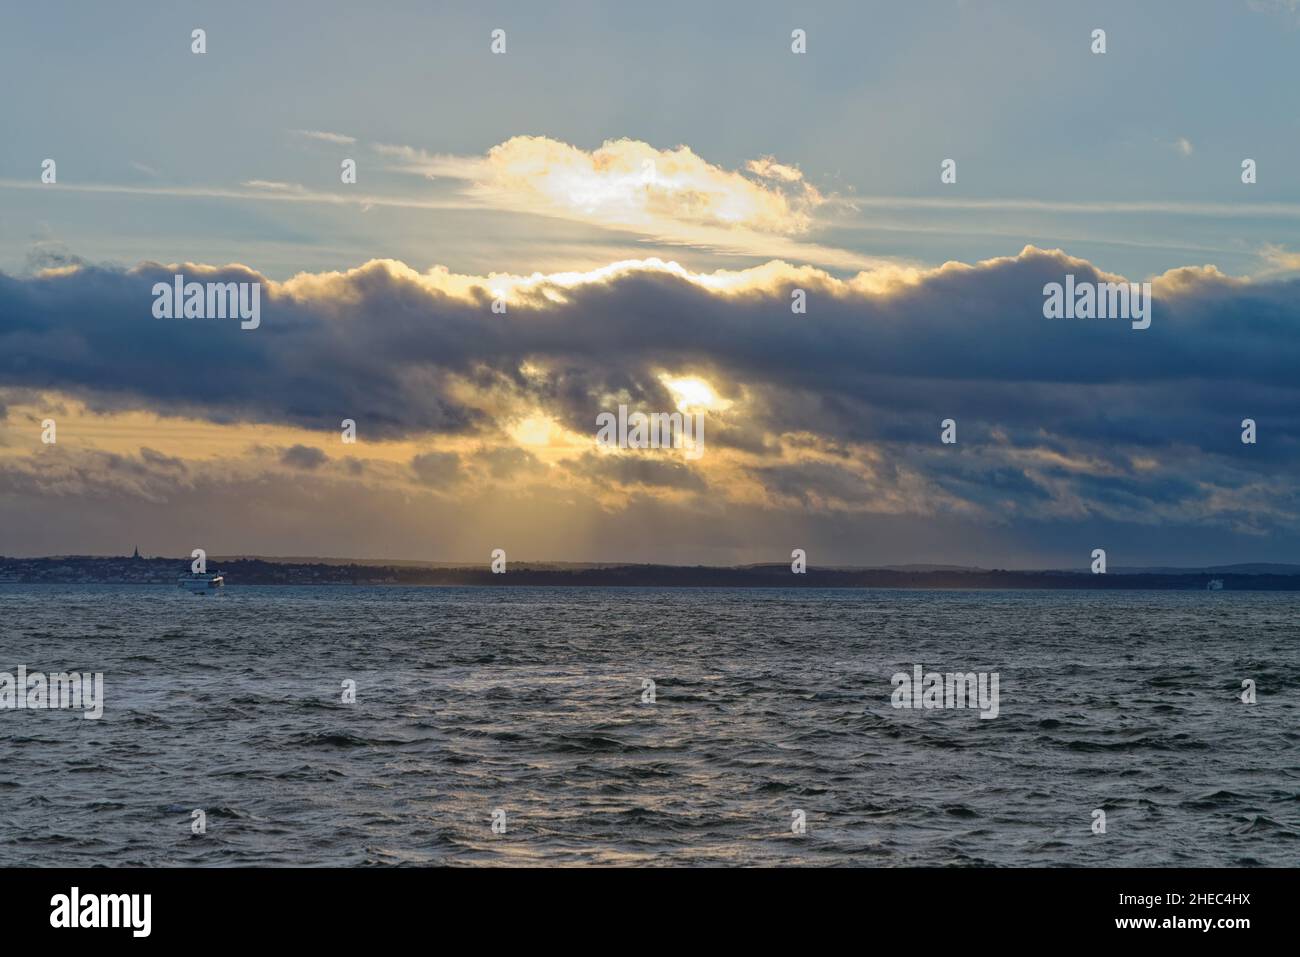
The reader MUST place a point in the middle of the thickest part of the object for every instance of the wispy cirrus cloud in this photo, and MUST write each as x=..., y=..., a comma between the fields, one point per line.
x=273, y=185
x=339, y=139
x=1278, y=260
x=254, y=190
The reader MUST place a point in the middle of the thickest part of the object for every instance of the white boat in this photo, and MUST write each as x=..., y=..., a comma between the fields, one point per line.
x=202, y=584
x=1216, y=584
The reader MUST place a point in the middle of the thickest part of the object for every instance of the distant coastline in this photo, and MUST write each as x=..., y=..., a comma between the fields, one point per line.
x=304, y=571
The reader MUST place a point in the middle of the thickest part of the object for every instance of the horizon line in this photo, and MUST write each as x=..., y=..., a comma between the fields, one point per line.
x=534, y=562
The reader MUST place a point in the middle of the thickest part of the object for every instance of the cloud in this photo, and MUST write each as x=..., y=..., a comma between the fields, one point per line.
x=61, y=473
x=304, y=457
x=274, y=185
x=1276, y=6
x=161, y=461
x=1279, y=260
x=628, y=183
x=436, y=468
x=339, y=139
x=403, y=350
x=836, y=411
x=507, y=461
x=637, y=469
x=257, y=192
x=673, y=195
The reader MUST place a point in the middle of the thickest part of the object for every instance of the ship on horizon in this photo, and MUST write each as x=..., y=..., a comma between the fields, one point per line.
x=204, y=583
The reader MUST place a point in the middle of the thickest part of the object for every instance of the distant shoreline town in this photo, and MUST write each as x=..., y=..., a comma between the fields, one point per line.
x=137, y=570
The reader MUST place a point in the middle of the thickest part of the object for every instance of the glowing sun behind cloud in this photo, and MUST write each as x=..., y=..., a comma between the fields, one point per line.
x=633, y=183
x=764, y=209
x=693, y=394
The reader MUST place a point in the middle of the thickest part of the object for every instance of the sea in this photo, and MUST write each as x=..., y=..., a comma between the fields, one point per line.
x=372, y=726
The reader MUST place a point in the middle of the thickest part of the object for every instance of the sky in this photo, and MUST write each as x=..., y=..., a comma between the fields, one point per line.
x=641, y=189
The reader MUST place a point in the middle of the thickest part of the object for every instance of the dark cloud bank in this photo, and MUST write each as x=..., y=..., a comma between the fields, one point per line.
x=1033, y=397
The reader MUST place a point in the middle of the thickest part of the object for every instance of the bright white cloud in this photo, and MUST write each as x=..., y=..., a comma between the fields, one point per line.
x=630, y=183
x=766, y=210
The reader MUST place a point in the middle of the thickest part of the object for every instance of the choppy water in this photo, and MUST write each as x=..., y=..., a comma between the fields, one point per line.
x=530, y=700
